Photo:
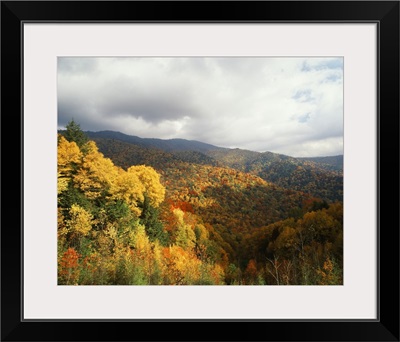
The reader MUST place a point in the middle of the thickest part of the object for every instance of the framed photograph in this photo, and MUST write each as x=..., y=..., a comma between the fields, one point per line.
x=200, y=164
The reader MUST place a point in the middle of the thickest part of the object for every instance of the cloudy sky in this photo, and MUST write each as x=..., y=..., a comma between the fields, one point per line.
x=292, y=106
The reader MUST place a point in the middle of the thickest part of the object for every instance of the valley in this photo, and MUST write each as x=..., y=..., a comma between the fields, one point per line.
x=181, y=212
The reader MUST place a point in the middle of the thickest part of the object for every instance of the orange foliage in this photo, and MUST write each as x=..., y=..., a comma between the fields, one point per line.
x=68, y=266
x=251, y=270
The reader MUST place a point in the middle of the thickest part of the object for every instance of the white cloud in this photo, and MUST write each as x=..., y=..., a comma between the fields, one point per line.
x=292, y=106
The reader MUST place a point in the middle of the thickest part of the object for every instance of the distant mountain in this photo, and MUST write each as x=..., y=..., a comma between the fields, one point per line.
x=330, y=163
x=170, y=145
x=321, y=177
x=315, y=177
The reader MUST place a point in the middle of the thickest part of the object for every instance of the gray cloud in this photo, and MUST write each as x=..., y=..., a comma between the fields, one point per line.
x=153, y=104
x=292, y=106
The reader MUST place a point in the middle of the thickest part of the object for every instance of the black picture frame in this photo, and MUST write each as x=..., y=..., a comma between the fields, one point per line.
x=384, y=13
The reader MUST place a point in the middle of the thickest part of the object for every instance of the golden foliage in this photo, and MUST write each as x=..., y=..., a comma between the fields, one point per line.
x=96, y=173
x=182, y=267
x=126, y=186
x=185, y=236
x=81, y=221
x=68, y=153
x=62, y=183
x=150, y=179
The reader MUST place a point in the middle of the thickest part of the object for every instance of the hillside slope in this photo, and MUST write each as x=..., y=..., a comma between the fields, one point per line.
x=321, y=177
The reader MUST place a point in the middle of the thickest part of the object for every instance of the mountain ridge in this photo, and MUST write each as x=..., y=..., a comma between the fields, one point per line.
x=156, y=142
x=318, y=176
x=241, y=159
x=176, y=144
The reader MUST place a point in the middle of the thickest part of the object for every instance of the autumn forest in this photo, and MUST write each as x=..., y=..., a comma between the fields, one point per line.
x=135, y=211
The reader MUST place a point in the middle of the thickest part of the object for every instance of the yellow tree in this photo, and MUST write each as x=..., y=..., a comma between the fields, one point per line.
x=182, y=267
x=150, y=179
x=185, y=236
x=80, y=222
x=96, y=173
x=142, y=259
x=68, y=158
x=127, y=187
x=134, y=184
x=62, y=183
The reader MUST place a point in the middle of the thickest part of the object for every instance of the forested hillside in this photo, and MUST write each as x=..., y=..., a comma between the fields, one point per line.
x=319, y=179
x=329, y=163
x=150, y=212
x=306, y=175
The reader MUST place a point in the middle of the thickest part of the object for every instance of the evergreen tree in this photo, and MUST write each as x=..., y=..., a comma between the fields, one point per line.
x=74, y=133
x=150, y=219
